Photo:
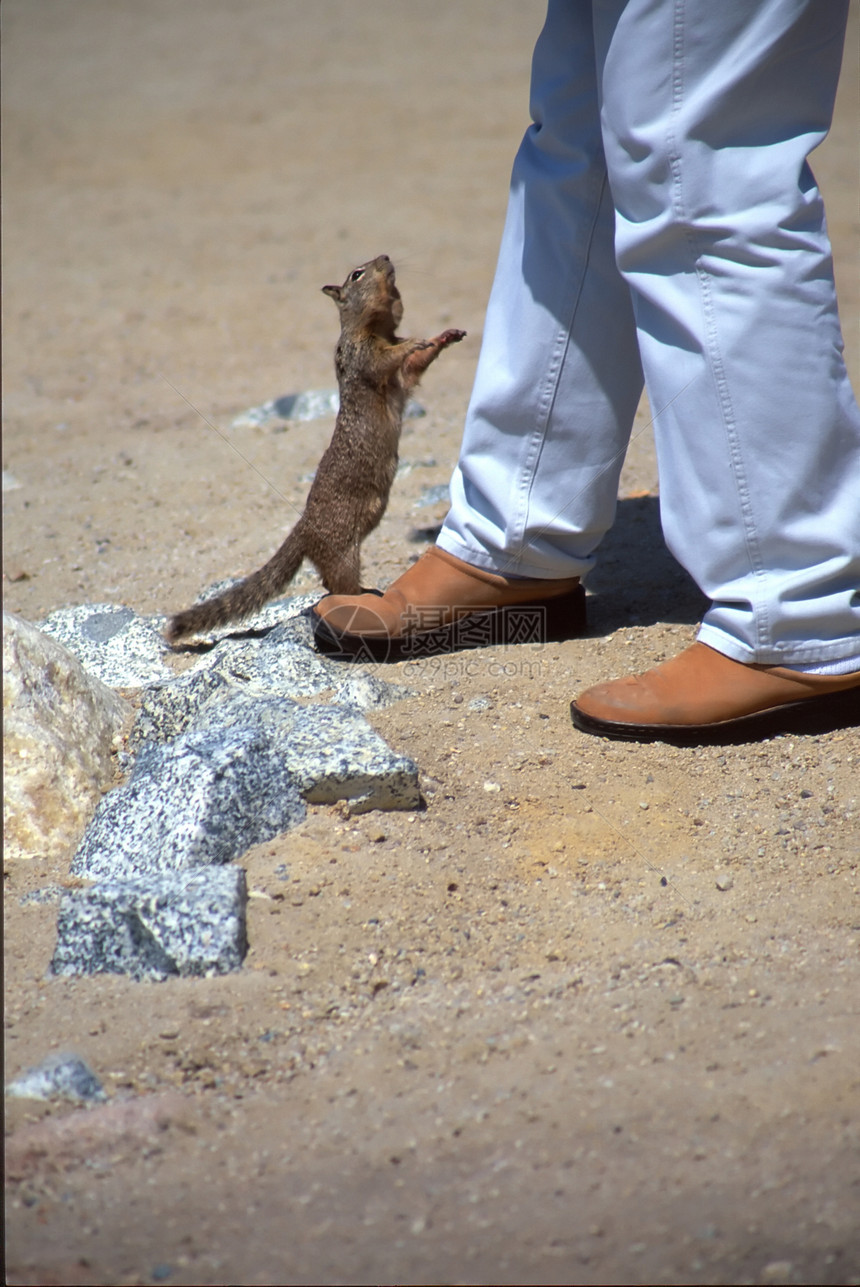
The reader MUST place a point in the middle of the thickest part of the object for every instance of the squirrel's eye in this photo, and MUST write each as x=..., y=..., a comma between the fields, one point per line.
x=354, y=277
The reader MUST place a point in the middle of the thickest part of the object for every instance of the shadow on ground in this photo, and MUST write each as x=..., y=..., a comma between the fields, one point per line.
x=636, y=580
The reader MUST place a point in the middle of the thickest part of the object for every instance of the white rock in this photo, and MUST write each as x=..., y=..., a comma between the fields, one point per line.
x=59, y=727
x=112, y=643
x=60, y=1076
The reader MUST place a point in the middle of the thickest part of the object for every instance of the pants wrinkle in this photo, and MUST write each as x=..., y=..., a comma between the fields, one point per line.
x=663, y=223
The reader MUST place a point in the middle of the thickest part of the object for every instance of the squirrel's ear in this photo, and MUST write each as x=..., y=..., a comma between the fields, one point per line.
x=334, y=292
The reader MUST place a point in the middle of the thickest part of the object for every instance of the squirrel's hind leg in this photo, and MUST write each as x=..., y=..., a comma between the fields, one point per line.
x=341, y=573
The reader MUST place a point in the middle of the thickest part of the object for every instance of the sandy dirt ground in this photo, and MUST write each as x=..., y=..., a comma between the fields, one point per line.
x=591, y=1015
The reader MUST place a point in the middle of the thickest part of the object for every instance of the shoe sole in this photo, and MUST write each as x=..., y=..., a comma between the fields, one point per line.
x=811, y=715
x=541, y=621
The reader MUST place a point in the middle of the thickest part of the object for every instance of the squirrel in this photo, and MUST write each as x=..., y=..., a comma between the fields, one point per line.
x=376, y=369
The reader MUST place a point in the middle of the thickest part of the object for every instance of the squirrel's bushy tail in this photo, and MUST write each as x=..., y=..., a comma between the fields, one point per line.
x=245, y=598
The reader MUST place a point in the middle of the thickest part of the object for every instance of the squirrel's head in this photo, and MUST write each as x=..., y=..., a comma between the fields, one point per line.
x=369, y=296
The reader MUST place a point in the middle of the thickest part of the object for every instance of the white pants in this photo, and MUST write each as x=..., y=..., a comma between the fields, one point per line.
x=663, y=218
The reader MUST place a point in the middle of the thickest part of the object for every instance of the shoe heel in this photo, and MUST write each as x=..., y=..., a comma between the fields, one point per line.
x=566, y=616
x=546, y=621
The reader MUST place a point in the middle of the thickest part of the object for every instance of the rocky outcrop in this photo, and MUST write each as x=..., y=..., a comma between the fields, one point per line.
x=221, y=758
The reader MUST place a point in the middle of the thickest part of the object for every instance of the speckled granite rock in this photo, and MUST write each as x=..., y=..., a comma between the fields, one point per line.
x=166, y=710
x=224, y=760
x=125, y=650
x=189, y=923
x=111, y=642
x=202, y=799
x=278, y=612
x=282, y=663
x=331, y=750
x=59, y=728
x=60, y=1076
x=366, y=692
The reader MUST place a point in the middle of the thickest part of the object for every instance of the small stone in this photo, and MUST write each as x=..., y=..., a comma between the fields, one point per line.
x=480, y=704
x=777, y=1271
x=368, y=692
x=437, y=495
x=724, y=881
x=312, y=404
x=491, y=787
x=47, y=894
x=60, y=1076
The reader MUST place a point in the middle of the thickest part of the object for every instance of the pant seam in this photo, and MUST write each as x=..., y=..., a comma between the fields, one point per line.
x=711, y=346
x=549, y=390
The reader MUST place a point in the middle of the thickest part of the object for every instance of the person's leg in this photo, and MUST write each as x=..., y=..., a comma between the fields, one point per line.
x=709, y=114
x=558, y=382
x=559, y=376
x=708, y=121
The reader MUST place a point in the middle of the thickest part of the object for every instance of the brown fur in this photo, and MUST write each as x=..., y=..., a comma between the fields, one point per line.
x=375, y=369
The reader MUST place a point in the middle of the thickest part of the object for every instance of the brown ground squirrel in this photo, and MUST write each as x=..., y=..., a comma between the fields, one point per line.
x=376, y=370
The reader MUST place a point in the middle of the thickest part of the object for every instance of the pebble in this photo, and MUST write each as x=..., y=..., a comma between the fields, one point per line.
x=480, y=704
x=433, y=496
x=59, y=1076
x=777, y=1271
x=724, y=881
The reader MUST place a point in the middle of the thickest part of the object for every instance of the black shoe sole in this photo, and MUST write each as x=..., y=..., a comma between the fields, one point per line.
x=542, y=621
x=813, y=715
